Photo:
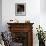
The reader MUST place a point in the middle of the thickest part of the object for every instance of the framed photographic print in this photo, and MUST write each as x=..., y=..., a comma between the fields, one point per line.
x=20, y=9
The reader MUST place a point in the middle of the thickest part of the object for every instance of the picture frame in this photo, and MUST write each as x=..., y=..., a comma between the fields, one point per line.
x=20, y=9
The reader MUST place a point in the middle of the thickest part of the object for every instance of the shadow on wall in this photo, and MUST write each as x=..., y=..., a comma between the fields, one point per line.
x=43, y=6
x=0, y=15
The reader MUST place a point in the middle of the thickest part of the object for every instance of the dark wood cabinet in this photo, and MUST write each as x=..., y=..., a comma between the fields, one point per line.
x=22, y=33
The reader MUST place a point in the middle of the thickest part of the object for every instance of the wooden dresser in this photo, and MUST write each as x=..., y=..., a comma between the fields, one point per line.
x=22, y=33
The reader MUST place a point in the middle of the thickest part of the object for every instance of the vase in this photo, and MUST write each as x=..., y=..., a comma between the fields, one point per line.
x=41, y=43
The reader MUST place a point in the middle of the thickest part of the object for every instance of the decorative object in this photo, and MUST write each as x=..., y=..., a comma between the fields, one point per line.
x=13, y=21
x=7, y=38
x=41, y=36
x=1, y=40
x=20, y=9
x=27, y=21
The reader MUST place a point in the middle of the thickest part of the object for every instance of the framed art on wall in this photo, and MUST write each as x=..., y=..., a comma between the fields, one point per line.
x=20, y=9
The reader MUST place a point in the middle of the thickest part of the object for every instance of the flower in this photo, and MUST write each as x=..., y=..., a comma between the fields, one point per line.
x=40, y=33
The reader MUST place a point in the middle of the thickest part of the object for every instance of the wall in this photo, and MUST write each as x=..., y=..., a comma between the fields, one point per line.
x=33, y=13
x=0, y=15
x=43, y=14
x=43, y=6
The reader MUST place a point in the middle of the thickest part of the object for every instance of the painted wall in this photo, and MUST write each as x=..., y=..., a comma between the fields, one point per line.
x=43, y=14
x=33, y=13
x=0, y=15
x=43, y=6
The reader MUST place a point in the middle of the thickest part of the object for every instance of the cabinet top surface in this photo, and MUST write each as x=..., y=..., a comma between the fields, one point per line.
x=19, y=23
